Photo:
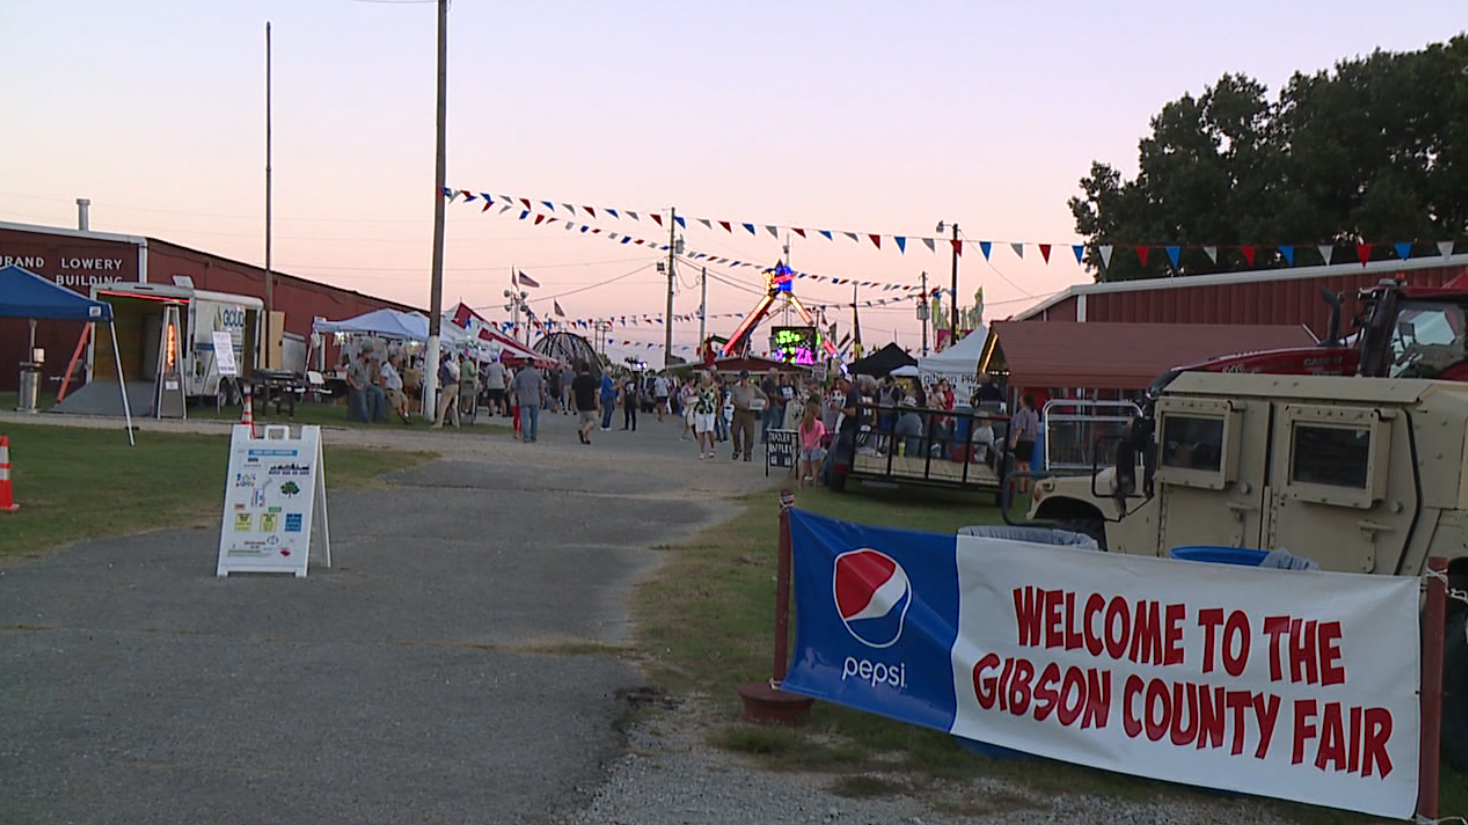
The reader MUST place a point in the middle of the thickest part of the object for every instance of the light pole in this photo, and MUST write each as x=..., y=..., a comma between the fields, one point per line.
x=517, y=300
x=922, y=312
x=953, y=298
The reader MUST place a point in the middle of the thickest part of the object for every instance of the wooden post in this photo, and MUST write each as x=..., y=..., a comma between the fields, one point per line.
x=1434, y=622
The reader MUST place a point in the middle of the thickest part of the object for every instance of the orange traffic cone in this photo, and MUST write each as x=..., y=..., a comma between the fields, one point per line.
x=7, y=504
x=248, y=417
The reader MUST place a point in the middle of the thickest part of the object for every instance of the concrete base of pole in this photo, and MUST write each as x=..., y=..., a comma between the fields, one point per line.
x=766, y=705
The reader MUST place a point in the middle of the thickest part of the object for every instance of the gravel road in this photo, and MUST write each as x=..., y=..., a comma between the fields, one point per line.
x=418, y=681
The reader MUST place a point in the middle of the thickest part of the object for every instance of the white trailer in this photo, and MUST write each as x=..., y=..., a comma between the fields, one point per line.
x=138, y=313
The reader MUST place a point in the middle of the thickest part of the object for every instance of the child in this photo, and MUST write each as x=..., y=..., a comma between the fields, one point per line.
x=812, y=432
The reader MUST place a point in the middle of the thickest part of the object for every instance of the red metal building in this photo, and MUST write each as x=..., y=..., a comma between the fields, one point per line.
x=80, y=260
x=1279, y=297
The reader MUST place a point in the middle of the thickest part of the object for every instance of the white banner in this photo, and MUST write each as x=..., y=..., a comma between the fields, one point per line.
x=1298, y=685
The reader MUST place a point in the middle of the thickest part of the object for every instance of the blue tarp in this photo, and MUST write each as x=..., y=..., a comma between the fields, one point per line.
x=24, y=294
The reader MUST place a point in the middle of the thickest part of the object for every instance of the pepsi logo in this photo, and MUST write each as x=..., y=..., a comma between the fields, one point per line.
x=872, y=595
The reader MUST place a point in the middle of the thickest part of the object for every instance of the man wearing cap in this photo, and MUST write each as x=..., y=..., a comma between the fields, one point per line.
x=748, y=401
x=392, y=386
x=362, y=377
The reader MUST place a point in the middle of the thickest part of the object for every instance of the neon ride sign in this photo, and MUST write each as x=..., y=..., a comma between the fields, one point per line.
x=795, y=345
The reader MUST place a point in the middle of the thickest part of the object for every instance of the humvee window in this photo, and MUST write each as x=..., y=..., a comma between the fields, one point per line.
x=1337, y=456
x=1192, y=443
x=1428, y=338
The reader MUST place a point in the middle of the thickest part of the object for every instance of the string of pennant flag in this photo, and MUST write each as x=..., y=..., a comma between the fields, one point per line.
x=541, y=219
x=545, y=211
x=560, y=321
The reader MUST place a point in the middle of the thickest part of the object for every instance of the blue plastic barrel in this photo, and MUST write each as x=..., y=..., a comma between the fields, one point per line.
x=1242, y=556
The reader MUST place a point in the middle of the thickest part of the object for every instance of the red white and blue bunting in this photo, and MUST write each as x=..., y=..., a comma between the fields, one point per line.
x=545, y=211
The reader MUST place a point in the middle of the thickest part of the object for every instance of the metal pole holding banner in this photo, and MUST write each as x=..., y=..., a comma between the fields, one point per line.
x=1434, y=622
x=765, y=702
x=782, y=592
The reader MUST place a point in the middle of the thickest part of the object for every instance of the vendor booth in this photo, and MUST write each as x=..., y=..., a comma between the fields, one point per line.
x=393, y=324
x=883, y=362
x=24, y=294
x=958, y=363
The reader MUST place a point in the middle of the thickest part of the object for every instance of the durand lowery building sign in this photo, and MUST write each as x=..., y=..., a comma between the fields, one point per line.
x=75, y=263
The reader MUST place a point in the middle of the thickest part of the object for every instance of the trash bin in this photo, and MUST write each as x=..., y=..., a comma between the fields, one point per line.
x=1242, y=556
x=1033, y=535
x=30, y=388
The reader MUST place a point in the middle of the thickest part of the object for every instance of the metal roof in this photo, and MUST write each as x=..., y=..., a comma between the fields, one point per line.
x=1380, y=268
x=1103, y=355
x=89, y=235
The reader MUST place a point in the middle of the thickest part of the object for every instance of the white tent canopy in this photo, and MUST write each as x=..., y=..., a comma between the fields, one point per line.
x=958, y=363
x=961, y=359
x=390, y=323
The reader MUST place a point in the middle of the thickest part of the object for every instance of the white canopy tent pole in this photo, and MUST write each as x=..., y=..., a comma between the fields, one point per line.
x=127, y=412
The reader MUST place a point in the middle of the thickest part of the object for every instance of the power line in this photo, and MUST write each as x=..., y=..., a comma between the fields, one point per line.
x=460, y=268
x=588, y=288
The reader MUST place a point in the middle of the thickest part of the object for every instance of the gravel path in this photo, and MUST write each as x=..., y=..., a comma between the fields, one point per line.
x=660, y=771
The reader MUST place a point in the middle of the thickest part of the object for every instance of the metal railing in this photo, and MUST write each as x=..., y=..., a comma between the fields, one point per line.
x=1075, y=428
x=943, y=451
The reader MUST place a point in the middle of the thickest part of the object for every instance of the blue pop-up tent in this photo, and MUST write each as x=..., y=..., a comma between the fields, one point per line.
x=24, y=294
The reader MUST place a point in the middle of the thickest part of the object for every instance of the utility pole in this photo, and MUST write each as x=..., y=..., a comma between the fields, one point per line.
x=269, y=280
x=435, y=291
x=953, y=299
x=703, y=305
x=668, y=316
x=923, y=312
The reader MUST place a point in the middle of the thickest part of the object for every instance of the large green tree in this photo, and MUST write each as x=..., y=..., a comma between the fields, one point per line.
x=1374, y=151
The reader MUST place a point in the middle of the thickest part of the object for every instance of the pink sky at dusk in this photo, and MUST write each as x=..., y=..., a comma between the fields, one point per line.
x=860, y=116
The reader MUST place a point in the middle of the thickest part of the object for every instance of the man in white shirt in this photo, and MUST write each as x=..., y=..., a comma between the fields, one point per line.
x=662, y=388
x=392, y=386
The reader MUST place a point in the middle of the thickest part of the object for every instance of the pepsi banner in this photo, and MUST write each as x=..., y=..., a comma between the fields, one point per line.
x=1297, y=685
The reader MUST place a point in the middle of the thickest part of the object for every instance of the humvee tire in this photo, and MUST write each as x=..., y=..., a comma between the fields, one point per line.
x=1455, y=693
x=1093, y=527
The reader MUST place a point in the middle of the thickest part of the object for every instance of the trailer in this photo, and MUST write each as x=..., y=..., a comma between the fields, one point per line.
x=961, y=448
x=139, y=313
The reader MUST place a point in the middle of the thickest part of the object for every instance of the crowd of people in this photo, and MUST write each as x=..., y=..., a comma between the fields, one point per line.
x=713, y=408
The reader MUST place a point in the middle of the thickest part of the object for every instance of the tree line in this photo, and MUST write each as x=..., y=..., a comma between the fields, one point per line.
x=1373, y=151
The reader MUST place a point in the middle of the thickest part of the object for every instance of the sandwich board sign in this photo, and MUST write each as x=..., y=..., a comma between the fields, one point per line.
x=274, y=503
x=780, y=449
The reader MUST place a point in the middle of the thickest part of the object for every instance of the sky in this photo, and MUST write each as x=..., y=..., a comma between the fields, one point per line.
x=860, y=116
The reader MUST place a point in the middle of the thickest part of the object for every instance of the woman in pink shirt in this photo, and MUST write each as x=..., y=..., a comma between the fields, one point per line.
x=812, y=432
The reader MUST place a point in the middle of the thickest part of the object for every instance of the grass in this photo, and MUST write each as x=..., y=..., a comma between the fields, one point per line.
x=707, y=621
x=74, y=483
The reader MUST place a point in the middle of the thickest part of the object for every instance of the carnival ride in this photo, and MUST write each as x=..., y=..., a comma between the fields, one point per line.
x=779, y=287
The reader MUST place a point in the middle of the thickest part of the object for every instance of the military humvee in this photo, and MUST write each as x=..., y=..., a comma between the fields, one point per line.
x=1361, y=475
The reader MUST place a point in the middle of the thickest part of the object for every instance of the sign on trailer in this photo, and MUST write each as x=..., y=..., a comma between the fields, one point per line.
x=224, y=354
x=274, y=492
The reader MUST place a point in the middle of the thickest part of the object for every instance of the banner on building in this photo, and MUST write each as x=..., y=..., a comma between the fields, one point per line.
x=1297, y=685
